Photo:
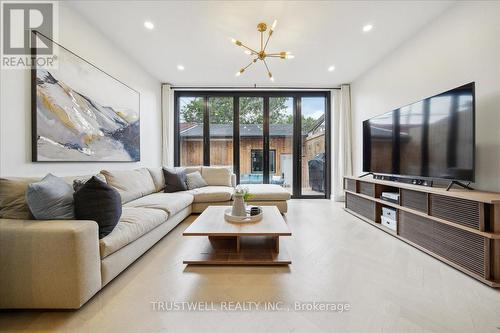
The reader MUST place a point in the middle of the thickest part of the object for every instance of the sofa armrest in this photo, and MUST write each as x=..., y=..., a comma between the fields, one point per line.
x=48, y=264
x=233, y=180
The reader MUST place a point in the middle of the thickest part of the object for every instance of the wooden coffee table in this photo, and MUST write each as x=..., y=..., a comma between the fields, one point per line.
x=255, y=243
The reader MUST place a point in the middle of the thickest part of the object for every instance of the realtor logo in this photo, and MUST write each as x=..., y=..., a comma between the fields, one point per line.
x=19, y=20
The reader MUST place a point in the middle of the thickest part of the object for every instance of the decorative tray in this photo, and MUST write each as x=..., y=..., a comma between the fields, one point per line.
x=242, y=219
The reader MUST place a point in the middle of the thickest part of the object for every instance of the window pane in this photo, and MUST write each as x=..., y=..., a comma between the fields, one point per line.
x=281, y=141
x=221, y=130
x=257, y=161
x=251, y=138
x=191, y=131
x=313, y=145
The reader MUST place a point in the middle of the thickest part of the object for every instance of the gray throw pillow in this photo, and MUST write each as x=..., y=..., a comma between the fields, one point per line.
x=195, y=180
x=51, y=199
x=175, y=180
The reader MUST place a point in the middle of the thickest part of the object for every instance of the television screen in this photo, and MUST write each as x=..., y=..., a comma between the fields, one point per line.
x=432, y=138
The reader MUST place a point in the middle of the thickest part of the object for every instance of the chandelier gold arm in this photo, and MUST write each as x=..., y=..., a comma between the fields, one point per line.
x=244, y=68
x=268, y=71
x=248, y=48
x=282, y=55
x=267, y=40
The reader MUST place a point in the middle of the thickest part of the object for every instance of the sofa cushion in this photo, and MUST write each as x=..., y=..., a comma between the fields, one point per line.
x=175, y=180
x=267, y=192
x=13, y=198
x=191, y=169
x=216, y=176
x=51, y=199
x=212, y=193
x=131, y=184
x=97, y=201
x=172, y=203
x=158, y=179
x=133, y=223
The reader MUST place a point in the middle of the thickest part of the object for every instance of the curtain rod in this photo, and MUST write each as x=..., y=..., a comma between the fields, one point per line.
x=250, y=88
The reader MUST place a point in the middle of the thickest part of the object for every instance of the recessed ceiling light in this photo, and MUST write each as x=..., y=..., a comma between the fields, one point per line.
x=331, y=68
x=367, y=27
x=149, y=25
x=180, y=67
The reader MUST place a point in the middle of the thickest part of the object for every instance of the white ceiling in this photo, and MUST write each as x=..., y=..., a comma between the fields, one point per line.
x=319, y=33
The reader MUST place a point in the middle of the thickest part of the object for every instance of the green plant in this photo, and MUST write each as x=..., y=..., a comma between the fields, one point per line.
x=244, y=191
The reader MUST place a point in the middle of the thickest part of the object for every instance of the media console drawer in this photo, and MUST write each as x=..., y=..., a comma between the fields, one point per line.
x=360, y=206
x=461, y=247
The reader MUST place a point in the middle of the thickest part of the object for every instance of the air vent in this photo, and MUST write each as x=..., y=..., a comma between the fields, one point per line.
x=460, y=211
x=463, y=248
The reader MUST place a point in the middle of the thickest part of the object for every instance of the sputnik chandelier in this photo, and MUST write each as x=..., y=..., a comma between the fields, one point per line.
x=261, y=54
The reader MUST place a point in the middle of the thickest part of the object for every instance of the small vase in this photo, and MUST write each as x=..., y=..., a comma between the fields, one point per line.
x=239, y=208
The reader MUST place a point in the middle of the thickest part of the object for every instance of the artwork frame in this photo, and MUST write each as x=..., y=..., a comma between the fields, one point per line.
x=98, y=131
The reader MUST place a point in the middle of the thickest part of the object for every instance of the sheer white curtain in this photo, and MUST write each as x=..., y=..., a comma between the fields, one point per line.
x=167, y=118
x=341, y=139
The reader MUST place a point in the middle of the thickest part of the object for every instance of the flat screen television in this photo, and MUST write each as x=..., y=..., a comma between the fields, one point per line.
x=433, y=138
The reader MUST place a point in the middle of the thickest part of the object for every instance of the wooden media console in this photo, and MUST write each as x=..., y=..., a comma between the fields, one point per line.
x=459, y=227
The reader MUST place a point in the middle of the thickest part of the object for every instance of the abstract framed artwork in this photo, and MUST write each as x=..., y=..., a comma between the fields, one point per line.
x=82, y=114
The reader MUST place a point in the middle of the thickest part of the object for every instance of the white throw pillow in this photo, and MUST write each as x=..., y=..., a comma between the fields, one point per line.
x=195, y=180
x=217, y=176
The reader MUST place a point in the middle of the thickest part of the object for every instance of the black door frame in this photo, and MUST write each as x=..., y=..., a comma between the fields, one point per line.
x=297, y=131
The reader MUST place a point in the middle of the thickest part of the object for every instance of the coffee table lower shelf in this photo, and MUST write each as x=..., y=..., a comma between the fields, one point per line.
x=239, y=250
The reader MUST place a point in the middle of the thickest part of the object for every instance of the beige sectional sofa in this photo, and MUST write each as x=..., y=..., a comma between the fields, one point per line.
x=63, y=263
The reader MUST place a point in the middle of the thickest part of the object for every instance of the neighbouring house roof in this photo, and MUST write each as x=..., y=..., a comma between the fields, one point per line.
x=317, y=124
x=185, y=126
x=246, y=130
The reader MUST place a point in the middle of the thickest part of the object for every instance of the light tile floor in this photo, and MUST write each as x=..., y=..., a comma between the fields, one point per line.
x=390, y=286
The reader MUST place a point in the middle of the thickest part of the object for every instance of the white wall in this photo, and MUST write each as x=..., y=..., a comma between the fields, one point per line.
x=461, y=46
x=15, y=115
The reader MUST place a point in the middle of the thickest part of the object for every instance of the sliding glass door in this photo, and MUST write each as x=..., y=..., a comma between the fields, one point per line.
x=278, y=138
x=190, y=128
x=221, y=119
x=251, y=140
x=281, y=142
x=313, y=146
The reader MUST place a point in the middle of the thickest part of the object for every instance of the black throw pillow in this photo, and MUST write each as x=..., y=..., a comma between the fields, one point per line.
x=97, y=201
x=175, y=180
